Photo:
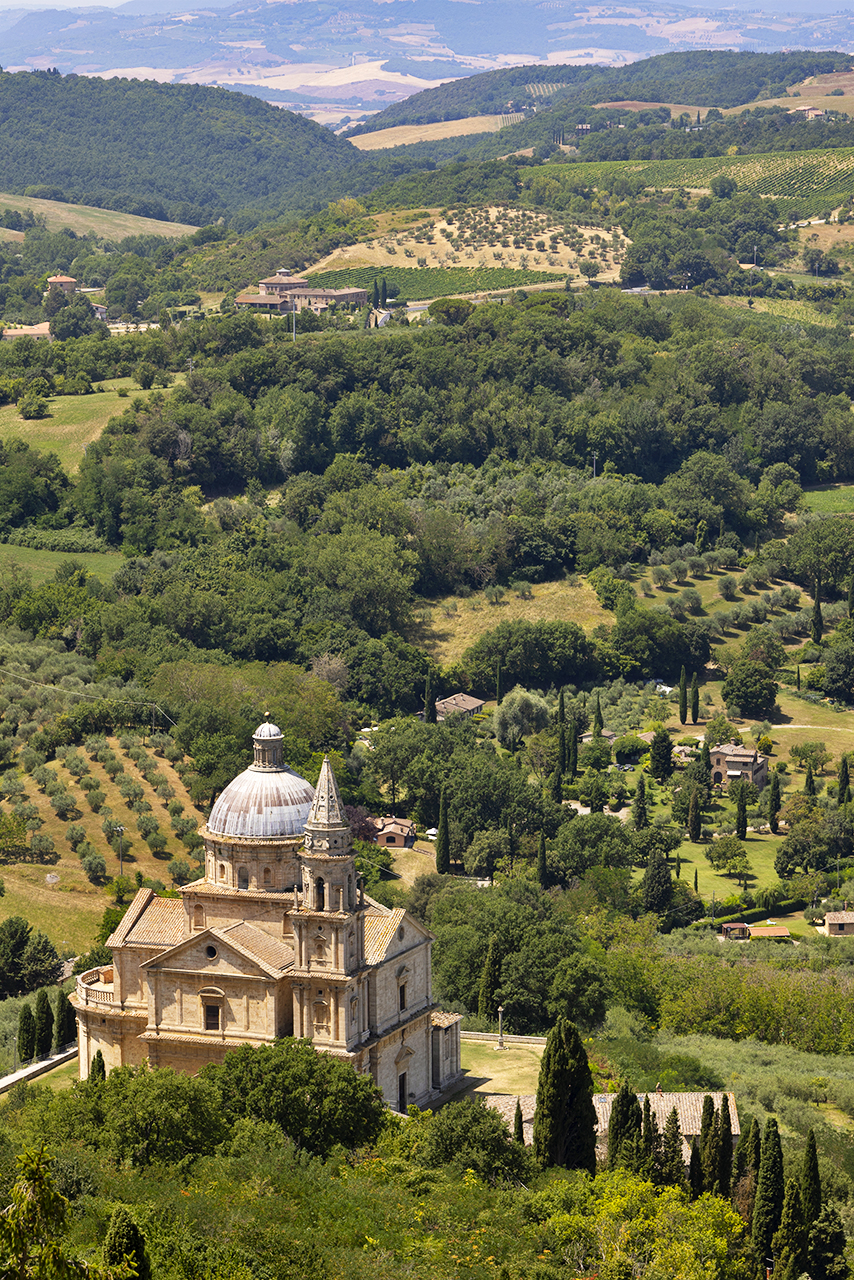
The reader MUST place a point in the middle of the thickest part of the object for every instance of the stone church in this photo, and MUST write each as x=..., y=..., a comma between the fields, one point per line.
x=278, y=939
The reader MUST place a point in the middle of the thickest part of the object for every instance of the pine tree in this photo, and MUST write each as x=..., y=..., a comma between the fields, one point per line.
x=723, y=1184
x=843, y=781
x=598, y=722
x=429, y=700
x=695, y=1172
x=489, y=980
x=65, y=1022
x=26, y=1034
x=683, y=697
x=790, y=1240
x=817, y=621
x=695, y=699
x=810, y=1182
x=672, y=1167
x=741, y=814
x=443, y=838
x=44, y=1025
x=518, y=1125
x=809, y=782
x=657, y=885
x=774, y=801
x=640, y=817
x=768, y=1209
x=694, y=817
x=565, y=1119
x=556, y=786
x=625, y=1124
x=563, y=751
x=124, y=1240
x=708, y=1152
x=542, y=864
x=572, y=758
x=97, y=1070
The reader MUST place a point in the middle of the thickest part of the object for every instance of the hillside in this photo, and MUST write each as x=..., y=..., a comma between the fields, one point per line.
x=175, y=152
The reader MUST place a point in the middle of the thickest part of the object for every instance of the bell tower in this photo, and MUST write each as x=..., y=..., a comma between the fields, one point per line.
x=329, y=924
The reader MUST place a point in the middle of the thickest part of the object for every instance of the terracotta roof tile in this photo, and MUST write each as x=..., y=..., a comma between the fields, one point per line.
x=379, y=931
x=272, y=952
x=441, y=1019
x=130, y=917
x=839, y=917
x=161, y=924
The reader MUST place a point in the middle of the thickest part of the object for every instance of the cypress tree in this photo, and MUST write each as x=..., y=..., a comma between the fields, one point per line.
x=672, y=1167
x=798, y=678
x=383, y=292
x=429, y=700
x=741, y=815
x=561, y=708
x=556, y=786
x=375, y=295
x=97, y=1070
x=565, y=1118
x=827, y=1247
x=26, y=1034
x=678, y=865
x=790, y=1240
x=843, y=781
x=124, y=1240
x=65, y=1022
x=768, y=1209
x=640, y=817
x=810, y=1183
x=774, y=802
x=498, y=683
x=694, y=817
x=696, y=890
x=651, y=1138
x=542, y=864
x=657, y=885
x=661, y=755
x=817, y=621
x=625, y=1125
x=695, y=1172
x=572, y=756
x=598, y=722
x=695, y=699
x=809, y=782
x=706, y=761
x=851, y=597
x=724, y=1178
x=44, y=1025
x=489, y=980
x=683, y=697
x=518, y=1125
x=443, y=838
x=708, y=1151
x=754, y=1148
x=563, y=751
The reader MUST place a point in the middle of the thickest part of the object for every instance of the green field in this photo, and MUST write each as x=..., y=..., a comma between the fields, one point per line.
x=41, y=565
x=83, y=218
x=433, y=282
x=814, y=180
x=831, y=499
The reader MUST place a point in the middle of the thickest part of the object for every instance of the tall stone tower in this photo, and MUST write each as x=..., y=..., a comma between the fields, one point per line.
x=330, y=992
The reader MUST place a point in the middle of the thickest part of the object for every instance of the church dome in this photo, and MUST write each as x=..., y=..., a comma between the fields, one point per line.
x=267, y=801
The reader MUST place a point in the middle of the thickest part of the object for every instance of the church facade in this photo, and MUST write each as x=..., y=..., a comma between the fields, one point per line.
x=277, y=939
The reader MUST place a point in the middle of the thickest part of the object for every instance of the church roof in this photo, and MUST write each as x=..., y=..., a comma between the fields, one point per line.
x=379, y=931
x=327, y=809
x=262, y=946
x=266, y=801
x=150, y=922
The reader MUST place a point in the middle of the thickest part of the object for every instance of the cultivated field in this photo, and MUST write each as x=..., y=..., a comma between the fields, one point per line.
x=830, y=499
x=83, y=218
x=405, y=134
x=41, y=565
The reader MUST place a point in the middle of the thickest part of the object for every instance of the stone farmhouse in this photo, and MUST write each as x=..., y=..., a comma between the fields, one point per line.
x=277, y=939
x=285, y=294
x=730, y=760
x=839, y=924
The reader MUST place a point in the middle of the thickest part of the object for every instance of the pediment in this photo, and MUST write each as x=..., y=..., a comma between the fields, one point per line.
x=212, y=953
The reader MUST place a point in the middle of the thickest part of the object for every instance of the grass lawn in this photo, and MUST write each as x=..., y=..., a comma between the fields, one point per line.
x=420, y=860
x=61, y=1077
x=830, y=499
x=489, y=1070
x=42, y=565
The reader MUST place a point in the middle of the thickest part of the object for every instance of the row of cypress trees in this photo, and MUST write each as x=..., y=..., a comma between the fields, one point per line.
x=47, y=1028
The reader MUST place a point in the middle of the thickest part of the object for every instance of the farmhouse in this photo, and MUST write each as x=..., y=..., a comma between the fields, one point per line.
x=459, y=704
x=839, y=924
x=283, y=293
x=689, y=1110
x=66, y=284
x=730, y=760
x=277, y=939
x=397, y=832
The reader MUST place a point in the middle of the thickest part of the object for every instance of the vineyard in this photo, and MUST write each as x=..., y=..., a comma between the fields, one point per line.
x=417, y=283
x=811, y=180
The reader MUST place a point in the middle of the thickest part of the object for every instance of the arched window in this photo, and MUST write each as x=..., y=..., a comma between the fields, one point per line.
x=268, y=877
x=319, y=894
x=242, y=878
x=222, y=871
x=198, y=916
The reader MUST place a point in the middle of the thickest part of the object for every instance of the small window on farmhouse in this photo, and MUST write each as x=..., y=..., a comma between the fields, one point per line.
x=211, y=1017
x=402, y=995
x=389, y=839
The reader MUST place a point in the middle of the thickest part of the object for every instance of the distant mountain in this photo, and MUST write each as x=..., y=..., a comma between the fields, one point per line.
x=183, y=152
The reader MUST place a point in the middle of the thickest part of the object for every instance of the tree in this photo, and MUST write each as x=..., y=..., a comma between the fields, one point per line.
x=125, y=1241
x=723, y=1181
x=556, y=786
x=625, y=1124
x=672, y=1166
x=26, y=1034
x=683, y=697
x=598, y=722
x=450, y=311
x=694, y=817
x=520, y=714
x=640, y=817
x=695, y=699
x=750, y=686
x=810, y=1182
x=470, y=1135
x=741, y=815
x=774, y=801
x=817, y=621
x=542, y=865
x=657, y=885
x=572, y=754
x=97, y=1070
x=827, y=1247
x=708, y=1143
x=489, y=980
x=44, y=1024
x=65, y=1021
x=843, y=782
x=565, y=1119
x=790, y=1240
x=443, y=838
x=809, y=782
x=518, y=1125
x=661, y=755
x=429, y=701
x=770, y=1191
x=695, y=1172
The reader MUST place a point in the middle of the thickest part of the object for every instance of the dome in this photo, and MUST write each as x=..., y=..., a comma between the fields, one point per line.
x=267, y=801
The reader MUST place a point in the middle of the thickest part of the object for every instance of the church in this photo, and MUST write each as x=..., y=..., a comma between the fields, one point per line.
x=277, y=939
